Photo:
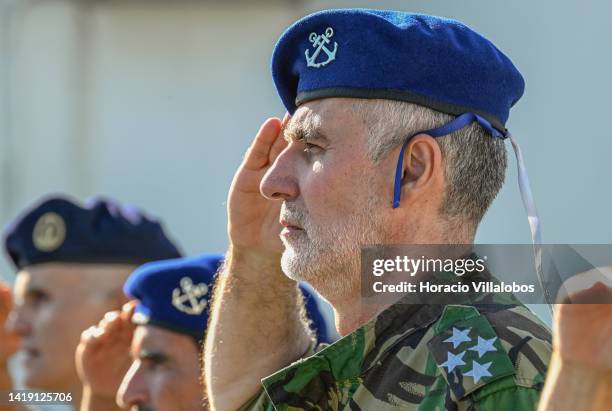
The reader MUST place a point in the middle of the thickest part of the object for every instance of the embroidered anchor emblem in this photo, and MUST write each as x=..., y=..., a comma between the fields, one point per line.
x=319, y=42
x=187, y=297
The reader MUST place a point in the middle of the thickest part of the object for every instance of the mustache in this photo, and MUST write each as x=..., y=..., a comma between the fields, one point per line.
x=142, y=408
x=291, y=213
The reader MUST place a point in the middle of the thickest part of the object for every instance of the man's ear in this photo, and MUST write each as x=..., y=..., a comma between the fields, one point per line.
x=422, y=165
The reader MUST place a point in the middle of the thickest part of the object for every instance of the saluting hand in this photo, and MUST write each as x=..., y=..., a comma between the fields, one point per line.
x=103, y=355
x=253, y=223
x=9, y=342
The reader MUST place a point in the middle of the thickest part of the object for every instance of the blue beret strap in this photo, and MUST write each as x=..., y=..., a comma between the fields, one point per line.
x=523, y=179
x=461, y=121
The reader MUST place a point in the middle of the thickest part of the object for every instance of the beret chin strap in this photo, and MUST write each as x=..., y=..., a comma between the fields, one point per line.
x=463, y=120
x=528, y=202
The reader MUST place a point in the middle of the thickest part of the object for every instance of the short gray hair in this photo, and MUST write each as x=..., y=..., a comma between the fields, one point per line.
x=474, y=162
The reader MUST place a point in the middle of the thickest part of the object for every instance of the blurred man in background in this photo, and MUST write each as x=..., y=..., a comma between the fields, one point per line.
x=160, y=343
x=71, y=264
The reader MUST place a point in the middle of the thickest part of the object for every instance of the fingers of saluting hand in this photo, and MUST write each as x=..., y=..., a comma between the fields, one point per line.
x=6, y=300
x=265, y=147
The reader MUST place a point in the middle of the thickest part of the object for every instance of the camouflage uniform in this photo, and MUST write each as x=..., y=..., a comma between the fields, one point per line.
x=485, y=356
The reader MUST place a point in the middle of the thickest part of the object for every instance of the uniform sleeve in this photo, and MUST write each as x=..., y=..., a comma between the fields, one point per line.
x=510, y=399
x=260, y=402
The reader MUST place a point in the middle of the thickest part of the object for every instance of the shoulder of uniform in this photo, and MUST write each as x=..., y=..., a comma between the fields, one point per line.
x=473, y=347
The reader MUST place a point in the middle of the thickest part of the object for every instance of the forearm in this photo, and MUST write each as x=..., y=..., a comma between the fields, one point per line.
x=93, y=402
x=570, y=387
x=256, y=328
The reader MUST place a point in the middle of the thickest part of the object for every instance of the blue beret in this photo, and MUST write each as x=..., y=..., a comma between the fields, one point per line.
x=103, y=232
x=174, y=294
x=318, y=323
x=431, y=61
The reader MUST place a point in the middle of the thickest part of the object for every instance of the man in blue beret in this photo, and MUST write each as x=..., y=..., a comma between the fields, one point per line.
x=149, y=359
x=394, y=136
x=71, y=262
x=165, y=332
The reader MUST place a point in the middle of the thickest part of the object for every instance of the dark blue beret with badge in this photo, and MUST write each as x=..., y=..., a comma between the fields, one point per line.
x=175, y=295
x=57, y=229
x=430, y=61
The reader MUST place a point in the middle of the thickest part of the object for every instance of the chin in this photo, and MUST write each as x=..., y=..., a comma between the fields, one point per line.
x=295, y=266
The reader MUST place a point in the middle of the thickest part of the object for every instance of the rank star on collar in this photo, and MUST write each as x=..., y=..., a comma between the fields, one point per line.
x=483, y=346
x=459, y=336
x=453, y=361
x=479, y=370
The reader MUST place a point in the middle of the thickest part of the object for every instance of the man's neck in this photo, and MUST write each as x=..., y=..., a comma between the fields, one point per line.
x=352, y=313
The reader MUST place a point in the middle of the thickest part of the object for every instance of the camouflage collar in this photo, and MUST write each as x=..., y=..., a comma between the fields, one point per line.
x=347, y=360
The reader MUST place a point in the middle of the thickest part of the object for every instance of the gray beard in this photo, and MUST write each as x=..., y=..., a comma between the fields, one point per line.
x=329, y=257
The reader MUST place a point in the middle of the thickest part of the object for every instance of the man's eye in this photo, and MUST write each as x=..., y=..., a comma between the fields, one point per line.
x=311, y=148
x=155, y=361
x=37, y=297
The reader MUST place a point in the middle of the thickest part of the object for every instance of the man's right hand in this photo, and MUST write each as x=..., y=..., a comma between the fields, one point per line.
x=103, y=355
x=9, y=344
x=256, y=325
x=253, y=223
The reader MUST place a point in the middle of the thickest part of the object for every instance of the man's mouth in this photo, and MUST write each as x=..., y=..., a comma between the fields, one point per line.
x=289, y=224
x=289, y=228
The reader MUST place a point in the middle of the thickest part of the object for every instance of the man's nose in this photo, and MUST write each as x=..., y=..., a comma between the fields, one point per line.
x=280, y=181
x=133, y=390
x=18, y=323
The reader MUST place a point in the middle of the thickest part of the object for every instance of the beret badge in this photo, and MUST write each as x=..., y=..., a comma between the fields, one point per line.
x=320, y=42
x=49, y=232
x=188, y=298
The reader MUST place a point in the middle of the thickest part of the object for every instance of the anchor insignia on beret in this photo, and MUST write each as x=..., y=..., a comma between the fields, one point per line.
x=49, y=232
x=319, y=42
x=188, y=298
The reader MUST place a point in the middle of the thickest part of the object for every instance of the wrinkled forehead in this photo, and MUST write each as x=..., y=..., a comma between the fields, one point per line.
x=331, y=118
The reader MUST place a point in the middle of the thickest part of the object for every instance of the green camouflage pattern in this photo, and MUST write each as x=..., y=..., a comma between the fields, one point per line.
x=488, y=353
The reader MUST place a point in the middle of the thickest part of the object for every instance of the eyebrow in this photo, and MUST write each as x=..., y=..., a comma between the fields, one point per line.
x=36, y=290
x=300, y=132
x=152, y=355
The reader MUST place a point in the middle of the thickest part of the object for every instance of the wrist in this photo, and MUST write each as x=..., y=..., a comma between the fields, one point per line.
x=583, y=374
x=257, y=258
x=572, y=386
x=256, y=266
x=92, y=401
x=90, y=393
